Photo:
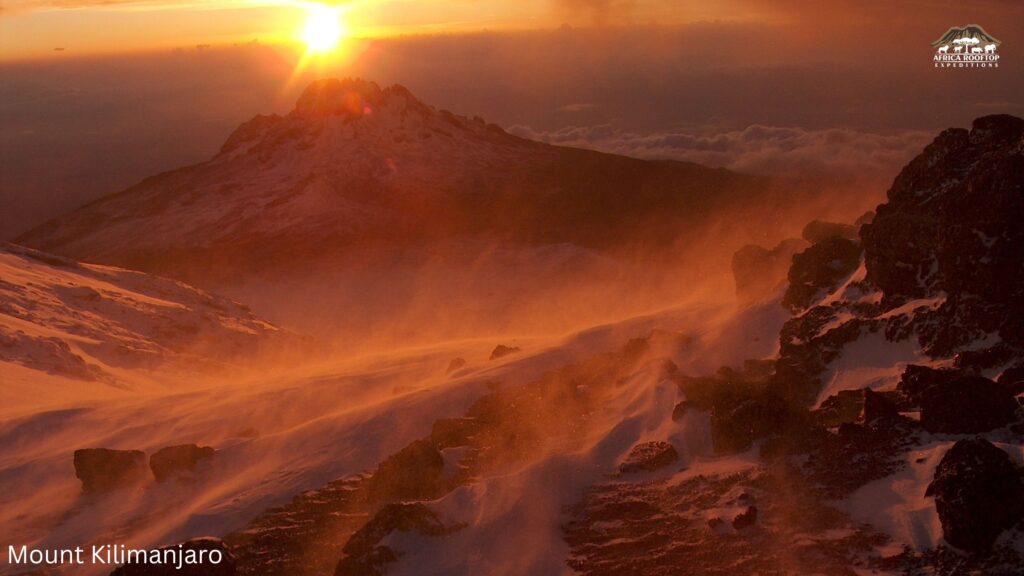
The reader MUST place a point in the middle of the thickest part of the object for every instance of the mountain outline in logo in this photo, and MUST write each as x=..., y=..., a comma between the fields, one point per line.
x=967, y=46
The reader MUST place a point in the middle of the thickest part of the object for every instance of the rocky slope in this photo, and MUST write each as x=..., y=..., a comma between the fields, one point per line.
x=354, y=165
x=884, y=437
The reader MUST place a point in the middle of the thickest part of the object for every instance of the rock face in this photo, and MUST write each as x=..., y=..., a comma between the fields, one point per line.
x=212, y=559
x=172, y=460
x=821, y=267
x=414, y=472
x=916, y=380
x=735, y=428
x=952, y=226
x=648, y=457
x=968, y=405
x=363, y=556
x=978, y=494
x=102, y=469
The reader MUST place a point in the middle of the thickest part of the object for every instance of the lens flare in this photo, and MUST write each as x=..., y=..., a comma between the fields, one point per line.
x=324, y=29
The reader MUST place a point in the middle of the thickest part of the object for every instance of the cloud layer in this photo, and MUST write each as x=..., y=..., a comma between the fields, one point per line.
x=774, y=150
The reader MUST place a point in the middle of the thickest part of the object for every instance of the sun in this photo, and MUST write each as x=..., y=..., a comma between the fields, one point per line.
x=324, y=29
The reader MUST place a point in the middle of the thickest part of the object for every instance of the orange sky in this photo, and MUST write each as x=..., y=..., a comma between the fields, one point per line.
x=33, y=28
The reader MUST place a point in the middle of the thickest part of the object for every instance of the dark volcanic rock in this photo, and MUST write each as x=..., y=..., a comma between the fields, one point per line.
x=413, y=472
x=952, y=226
x=363, y=556
x=679, y=411
x=978, y=494
x=844, y=407
x=455, y=364
x=501, y=350
x=818, y=231
x=745, y=519
x=453, y=432
x=735, y=428
x=102, y=469
x=878, y=409
x=172, y=460
x=649, y=456
x=967, y=405
x=758, y=272
x=916, y=380
x=819, y=268
x=1013, y=379
x=212, y=558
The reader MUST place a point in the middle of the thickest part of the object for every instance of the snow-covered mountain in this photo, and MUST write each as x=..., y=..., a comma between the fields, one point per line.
x=354, y=165
x=90, y=331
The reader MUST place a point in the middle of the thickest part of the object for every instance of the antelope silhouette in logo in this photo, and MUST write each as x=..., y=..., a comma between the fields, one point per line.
x=944, y=49
x=958, y=49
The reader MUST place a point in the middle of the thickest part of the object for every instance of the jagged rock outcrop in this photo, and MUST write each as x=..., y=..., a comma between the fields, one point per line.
x=103, y=469
x=820, y=268
x=978, y=494
x=363, y=554
x=952, y=228
x=941, y=266
x=171, y=461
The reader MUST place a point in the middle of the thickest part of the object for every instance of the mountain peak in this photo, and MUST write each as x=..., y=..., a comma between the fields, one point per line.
x=350, y=97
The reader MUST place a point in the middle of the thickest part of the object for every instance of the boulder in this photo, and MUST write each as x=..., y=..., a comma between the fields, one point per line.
x=501, y=351
x=968, y=405
x=102, y=469
x=455, y=364
x=211, y=557
x=174, y=460
x=978, y=494
x=649, y=456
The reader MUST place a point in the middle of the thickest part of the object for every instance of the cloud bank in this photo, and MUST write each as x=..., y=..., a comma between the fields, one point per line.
x=758, y=149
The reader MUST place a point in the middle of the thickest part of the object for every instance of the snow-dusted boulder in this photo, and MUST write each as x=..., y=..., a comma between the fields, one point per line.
x=103, y=469
x=173, y=460
x=978, y=494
